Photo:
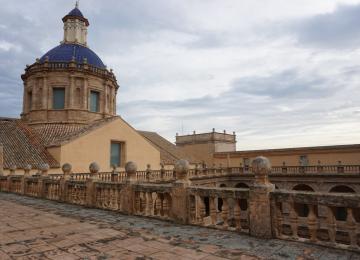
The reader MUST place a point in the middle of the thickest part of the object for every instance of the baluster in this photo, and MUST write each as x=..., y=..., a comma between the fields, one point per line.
x=158, y=203
x=193, y=209
x=237, y=215
x=312, y=223
x=111, y=198
x=166, y=205
x=293, y=220
x=279, y=220
x=149, y=203
x=142, y=203
x=225, y=213
x=351, y=226
x=213, y=214
x=200, y=209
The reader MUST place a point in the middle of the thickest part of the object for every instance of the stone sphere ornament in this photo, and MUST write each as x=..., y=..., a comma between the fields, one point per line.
x=130, y=167
x=261, y=167
x=94, y=167
x=44, y=167
x=181, y=169
x=66, y=168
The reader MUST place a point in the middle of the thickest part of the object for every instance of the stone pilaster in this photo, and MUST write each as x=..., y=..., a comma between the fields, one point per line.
x=45, y=93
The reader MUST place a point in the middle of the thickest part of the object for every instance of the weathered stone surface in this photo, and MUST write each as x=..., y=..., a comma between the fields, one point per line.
x=181, y=168
x=38, y=229
x=66, y=168
x=131, y=168
x=259, y=199
x=94, y=168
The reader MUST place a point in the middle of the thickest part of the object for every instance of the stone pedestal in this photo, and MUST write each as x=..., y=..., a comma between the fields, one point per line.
x=259, y=199
x=179, y=197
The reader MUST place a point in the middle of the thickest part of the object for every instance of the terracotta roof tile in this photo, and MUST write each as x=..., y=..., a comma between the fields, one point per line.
x=22, y=146
x=57, y=134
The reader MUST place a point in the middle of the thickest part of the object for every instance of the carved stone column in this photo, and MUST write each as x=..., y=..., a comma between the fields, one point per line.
x=259, y=198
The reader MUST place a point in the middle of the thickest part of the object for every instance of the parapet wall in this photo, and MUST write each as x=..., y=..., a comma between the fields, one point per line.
x=328, y=219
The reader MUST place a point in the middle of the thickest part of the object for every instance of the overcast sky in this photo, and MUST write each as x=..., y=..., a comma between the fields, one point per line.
x=279, y=73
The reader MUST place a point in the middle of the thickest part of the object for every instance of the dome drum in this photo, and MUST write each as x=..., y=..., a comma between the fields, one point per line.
x=78, y=85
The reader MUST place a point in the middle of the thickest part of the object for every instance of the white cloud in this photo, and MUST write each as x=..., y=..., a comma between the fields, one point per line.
x=237, y=65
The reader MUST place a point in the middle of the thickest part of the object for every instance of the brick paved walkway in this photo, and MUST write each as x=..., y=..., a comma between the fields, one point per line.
x=40, y=229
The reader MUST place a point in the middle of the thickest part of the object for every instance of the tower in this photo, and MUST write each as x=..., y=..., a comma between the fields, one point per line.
x=69, y=84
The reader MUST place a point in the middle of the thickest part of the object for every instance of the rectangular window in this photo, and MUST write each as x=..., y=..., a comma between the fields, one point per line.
x=94, y=101
x=58, y=98
x=117, y=154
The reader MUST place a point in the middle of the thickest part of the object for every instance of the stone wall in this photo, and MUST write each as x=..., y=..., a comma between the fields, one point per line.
x=329, y=219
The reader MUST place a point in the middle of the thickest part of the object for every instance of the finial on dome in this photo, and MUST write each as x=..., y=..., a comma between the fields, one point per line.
x=77, y=4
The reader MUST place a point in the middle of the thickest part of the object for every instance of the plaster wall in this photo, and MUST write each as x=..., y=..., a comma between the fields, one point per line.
x=95, y=147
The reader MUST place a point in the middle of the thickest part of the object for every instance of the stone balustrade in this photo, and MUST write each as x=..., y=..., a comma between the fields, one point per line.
x=329, y=219
x=224, y=208
x=326, y=219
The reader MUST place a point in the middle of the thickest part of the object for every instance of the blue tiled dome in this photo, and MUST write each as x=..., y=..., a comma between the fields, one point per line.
x=66, y=52
x=76, y=12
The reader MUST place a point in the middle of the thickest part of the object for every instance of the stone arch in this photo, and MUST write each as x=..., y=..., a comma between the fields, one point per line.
x=241, y=185
x=303, y=187
x=342, y=189
x=340, y=213
x=302, y=209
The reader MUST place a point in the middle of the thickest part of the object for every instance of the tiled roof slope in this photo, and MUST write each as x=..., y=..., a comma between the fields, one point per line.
x=169, y=153
x=22, y=146
x=57, y=134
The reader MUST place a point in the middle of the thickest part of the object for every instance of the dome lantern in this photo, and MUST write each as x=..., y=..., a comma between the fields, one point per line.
x=75, y=27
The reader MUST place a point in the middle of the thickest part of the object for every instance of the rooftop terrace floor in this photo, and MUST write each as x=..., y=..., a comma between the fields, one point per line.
x=40, y=229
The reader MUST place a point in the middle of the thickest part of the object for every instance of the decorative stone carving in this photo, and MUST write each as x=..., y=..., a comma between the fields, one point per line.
x=44, y=168
x=181, y=169
x=94, y=168
x=261, y=167
x=27, y=170
x=66, y=168
x=131, y=169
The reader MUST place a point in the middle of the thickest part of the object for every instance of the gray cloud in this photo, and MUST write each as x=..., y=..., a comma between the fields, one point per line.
x=287, y=84
x=338, y=29
x=223, y=77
